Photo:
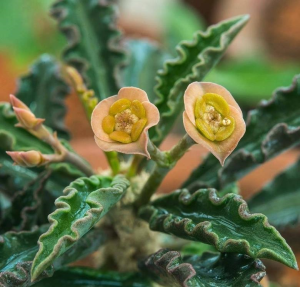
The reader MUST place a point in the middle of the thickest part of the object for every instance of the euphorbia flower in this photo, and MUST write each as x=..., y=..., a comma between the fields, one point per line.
x=213, y=118
x=120, y=123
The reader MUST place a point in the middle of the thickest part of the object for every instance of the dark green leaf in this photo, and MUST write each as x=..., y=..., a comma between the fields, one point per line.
x=89, y=26
x=43, y=90
x=280, y=199
x=25, y=206
x=17, y=250
x=84, y=203
x=83, y=277
x=210, y=269
x=194, y=61
x=145, y=58
x=271, y=129
x=222, y=222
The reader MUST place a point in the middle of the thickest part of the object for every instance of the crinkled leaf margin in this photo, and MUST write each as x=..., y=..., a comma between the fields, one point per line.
x=222, y=222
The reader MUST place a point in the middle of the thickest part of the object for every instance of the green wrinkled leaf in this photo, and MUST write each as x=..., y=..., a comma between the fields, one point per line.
x=43, y=90
x=24, y=212
x=273, y=127
x=279, y=200
x=83, y=277
x=210, y=269
x=144, y=59
x=94, y=48
x=223, y=222
x=84, y=203
x=17, y=250
x=195, y=59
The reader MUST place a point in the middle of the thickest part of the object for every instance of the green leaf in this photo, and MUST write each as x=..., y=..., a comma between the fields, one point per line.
x=222, y=222
x=273, y=127
x=195, y=59
x=16, y=253
x=43, y=90
x=210, y=269
x=144, y=59
x=93, y=42
x=84, y=203
x=25, y=208
x=279, y=200
x=17, y=250
x=82, y=277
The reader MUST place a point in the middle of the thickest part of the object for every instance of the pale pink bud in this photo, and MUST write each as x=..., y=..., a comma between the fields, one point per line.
x=28, y=158
x=27, y=119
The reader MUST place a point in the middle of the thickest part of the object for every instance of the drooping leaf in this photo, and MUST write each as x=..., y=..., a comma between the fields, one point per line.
x=272, y=128
x=279, y=200
x=17, y=250
x=44, y=91
x=195, y=59
x=223, y=222
x=144, y=60
x=82, y=277
x=26, y=206
x=84, y=203
x=94, y=47
x=210, y=269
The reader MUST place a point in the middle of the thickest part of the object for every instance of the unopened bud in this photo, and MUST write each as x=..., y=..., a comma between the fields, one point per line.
x=28, y=158
x=76, y=79
x=27, y=119
x=16, y=103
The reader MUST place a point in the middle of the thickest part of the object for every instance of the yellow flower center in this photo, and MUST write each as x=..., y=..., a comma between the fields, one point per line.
x=212, y=115
x=126, y=121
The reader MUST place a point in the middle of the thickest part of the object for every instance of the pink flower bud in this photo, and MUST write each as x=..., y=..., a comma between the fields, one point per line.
x=27, y=119
x=28, y=158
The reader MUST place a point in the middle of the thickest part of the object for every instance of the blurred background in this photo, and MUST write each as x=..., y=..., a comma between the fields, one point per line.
x=264, y=56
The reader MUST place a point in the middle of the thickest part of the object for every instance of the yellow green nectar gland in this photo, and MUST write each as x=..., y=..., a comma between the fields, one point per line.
x=212, y=116
x=126, y=121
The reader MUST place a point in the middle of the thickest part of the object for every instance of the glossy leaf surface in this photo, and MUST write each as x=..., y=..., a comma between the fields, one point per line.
x=17, y=250
x=272, y=128
x=94, y=47
x=44, y=90
x=195, y=59
x=279, y=200
x=84, y=203
x=168, y=268
x=144, y=60
x=82, y=277
x=223, y=222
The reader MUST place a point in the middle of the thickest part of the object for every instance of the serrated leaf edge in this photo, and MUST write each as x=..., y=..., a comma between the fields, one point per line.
x=116, y=187
x=186, y=198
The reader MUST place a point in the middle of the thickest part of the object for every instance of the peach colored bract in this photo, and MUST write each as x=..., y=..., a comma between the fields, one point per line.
x=220, y=149
x=102, y=110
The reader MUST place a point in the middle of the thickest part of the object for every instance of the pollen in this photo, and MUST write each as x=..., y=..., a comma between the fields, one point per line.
x=126, y=121
x=212, y=117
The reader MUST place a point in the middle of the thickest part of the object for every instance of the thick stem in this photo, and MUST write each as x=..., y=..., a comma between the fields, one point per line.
x=77, y=161
x=165, y=161
x=113, y=161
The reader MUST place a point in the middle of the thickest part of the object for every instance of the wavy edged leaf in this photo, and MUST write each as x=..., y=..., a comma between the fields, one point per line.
x=195, y=59
x=25, y=206
x=279, y=200
x=94, y=47
x=84, y=203
x=82, y=277
x=222, y=222
x=44, y=91
x=144, y=59
x=210, y=269
x=17, y=250
x=272, y=127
